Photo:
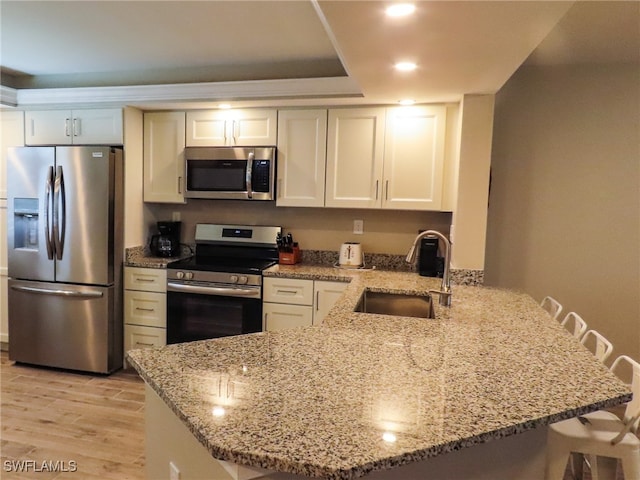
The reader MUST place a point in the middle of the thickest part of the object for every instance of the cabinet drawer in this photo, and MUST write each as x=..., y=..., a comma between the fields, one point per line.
x=145, y=308
x=146, y=279
x=136, y=336
x=279, y=316
x=287, y=290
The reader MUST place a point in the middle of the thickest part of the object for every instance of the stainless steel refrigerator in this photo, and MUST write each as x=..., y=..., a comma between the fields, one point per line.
x=65, y=248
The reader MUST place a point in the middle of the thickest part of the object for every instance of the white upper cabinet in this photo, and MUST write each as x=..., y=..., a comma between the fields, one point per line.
x=246, y=127
x=355, y=148
x=163, y=157
x=11, y=135
x=79, y=127
x=414, y=158
x=302, y=146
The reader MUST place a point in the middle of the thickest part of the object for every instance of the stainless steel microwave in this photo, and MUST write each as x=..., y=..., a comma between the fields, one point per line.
x=231, y=173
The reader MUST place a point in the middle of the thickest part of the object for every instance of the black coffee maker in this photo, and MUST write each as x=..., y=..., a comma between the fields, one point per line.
x=166, y=243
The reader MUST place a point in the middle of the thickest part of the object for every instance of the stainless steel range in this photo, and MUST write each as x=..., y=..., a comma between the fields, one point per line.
x=218, y=291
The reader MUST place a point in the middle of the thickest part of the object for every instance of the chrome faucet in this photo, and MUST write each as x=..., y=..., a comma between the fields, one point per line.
x=445, y=288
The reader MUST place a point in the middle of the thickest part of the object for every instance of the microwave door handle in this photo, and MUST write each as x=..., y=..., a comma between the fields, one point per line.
x=249, y=173
x=47, y=213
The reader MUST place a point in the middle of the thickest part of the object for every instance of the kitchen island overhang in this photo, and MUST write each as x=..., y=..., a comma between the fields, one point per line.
x=365, y=392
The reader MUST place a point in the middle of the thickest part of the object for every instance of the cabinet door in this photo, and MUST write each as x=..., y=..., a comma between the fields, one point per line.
x=207, y=128
x=136, y=336
x=414, y=158
x=48, y=127
x=145, y=308
x=287, y=290
x=145, y=279
x=97, y=126
x=325, y=295
x=11, y=135
x=254, y=127
x=278, y=316
x=302, y=148
x=4, y=312
x=248, y=127
x=4, y=309
x=355, y=143
x=163, y=157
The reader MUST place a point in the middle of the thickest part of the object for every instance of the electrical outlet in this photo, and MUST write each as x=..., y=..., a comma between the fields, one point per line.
x=174, y=472
x=175, y=216
x=358, y=227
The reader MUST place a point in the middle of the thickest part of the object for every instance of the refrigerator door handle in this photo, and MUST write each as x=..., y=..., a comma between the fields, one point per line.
x=47, y=213
x=58, y=292
x=59, y=213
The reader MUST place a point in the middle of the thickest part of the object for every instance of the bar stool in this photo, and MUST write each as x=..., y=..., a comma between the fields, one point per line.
x=597, y=344
x=601, y=435
x=552, y=306
x=575, y=324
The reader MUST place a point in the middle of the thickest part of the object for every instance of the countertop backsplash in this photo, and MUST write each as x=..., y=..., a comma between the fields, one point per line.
x=141, y=257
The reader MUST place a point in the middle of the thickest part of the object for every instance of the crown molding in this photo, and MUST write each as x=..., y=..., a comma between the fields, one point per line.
x=214, y=91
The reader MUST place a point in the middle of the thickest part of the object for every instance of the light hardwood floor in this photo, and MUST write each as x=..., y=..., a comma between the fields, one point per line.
x=93, y=422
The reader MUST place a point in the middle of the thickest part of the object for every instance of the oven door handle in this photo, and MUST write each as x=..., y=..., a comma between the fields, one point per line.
x=222, y=291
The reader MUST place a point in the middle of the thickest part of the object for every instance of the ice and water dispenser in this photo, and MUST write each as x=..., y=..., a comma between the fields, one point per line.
x=26, y=223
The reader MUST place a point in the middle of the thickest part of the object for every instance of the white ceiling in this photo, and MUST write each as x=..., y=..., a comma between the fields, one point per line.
x=460, y=47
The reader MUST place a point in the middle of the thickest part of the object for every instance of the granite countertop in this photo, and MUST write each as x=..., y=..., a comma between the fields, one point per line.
x=317, y=400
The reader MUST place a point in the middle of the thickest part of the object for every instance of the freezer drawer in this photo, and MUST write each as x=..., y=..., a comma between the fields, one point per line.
x=65, y=326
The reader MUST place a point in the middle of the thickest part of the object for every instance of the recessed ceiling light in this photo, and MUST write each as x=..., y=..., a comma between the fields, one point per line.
x=400, y=9
x=407, y=101
x=405, y=66
x=224, y=106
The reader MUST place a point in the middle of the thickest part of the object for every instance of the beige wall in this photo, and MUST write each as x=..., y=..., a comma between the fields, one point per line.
x=564, y=213
x=314, y=228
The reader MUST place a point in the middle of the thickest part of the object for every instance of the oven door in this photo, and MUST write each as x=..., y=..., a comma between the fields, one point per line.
x=198, y=312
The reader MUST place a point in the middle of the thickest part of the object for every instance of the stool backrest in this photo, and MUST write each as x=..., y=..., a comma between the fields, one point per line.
x=552, y=306
x=632, y=370
x=575, y=324
x=598, y=344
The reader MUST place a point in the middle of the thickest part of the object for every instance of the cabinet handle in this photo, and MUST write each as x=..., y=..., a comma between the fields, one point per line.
x=317, y=301
x=290, y=292
x=145, y=344
x=180, y=185
x=76, y=127
x=386, y=190
x=376, y=189
x=235, y=132
x=146, y=309
x=149, y=280
x=66, y=127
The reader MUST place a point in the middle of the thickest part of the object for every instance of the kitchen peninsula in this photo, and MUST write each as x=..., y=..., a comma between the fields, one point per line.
x=468, y=393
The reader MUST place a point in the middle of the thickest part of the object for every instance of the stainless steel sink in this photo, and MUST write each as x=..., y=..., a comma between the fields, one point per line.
x=398, y=304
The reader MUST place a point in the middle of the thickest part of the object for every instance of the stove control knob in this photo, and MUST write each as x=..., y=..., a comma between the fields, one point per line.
x=179, y=275
x=233, y=279
x=243, y=280
x=188, y=275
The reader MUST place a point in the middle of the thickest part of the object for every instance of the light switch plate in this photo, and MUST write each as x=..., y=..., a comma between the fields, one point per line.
x=358, y=227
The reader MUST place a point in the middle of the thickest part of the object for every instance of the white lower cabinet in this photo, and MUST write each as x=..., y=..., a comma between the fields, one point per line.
x=292, y=303
x=4, y=300
x=136, y=336
x=280, y=316
x=145, y=307
x=326, y=294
